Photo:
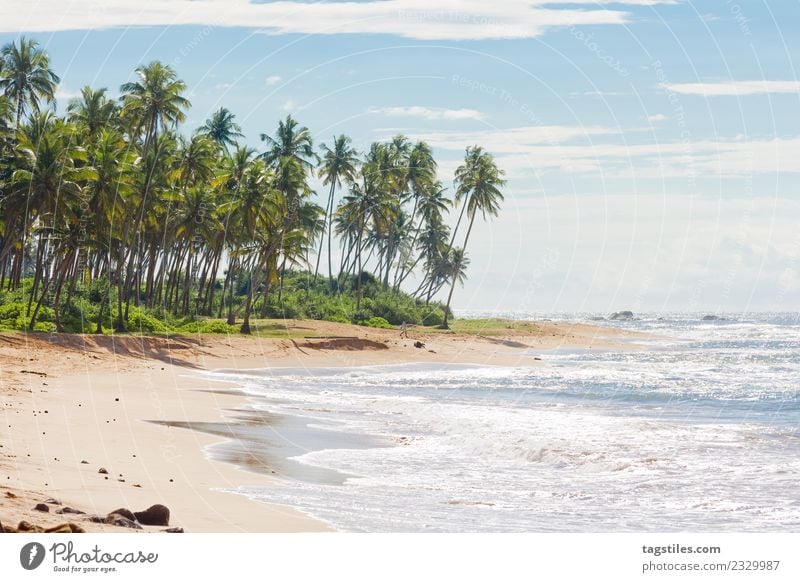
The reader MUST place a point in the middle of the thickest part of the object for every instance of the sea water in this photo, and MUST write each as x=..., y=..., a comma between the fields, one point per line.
x=696, y=432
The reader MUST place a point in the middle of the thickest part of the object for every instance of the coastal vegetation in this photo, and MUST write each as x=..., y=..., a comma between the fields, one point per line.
x=111, y=219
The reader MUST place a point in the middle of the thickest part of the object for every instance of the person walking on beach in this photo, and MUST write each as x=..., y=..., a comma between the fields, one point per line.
x=404, y=330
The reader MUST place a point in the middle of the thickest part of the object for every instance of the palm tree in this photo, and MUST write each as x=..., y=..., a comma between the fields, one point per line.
x=285, y=198
x=478, y=182
x=150, y=107
x=93, y=111
x=431, y=205
x=27, y=77
x=50, y=176
x=420, y=183
x=433, y=250
x=291, y=141
x=338, y=165
x=453, y=268
x=222, y=128
x=196, y=161
x=6, y=141
x=155, y=102
x=109, y=198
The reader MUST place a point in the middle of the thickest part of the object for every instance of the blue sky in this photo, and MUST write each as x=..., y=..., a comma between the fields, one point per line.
x=652, y=147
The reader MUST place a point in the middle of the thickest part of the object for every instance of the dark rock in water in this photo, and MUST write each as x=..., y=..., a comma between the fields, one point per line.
x=70, y=510
x=173, y=530
x=127, y=513
x=42, y=507
x=153, y=515
x=103, y=471
x=120, y=521
x=621, y=315
x=711, y=318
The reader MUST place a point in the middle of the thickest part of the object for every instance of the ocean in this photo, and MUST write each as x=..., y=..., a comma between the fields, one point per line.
x=696, y=433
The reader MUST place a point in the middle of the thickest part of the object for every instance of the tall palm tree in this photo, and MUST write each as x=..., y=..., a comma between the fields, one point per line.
x=454, y=268
x=478, y=182
x=27, y=78
x=109, y=198
x=196, y=161
x=155, y=102
x=286, y=197
x=93, y=111
x=151, y=107
x=50, y=176
x=222, y=128
x=6, y=139
x=420, y=181
x=6, y=115
x=431, y=205
x=339, y=164
x=291, y=140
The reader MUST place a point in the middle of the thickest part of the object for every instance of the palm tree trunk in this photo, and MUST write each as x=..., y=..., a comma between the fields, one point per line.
x=450, y=247
x=57, y=300
x=328, y=213
x=400, y=273
x=358, y=274
x=248, y=303
x=455, y=274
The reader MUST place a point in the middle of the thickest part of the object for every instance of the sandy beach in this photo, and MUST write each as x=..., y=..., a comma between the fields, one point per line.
x=73, y=405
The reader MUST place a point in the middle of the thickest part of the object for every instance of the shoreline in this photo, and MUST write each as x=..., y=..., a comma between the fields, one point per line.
x=69, y=399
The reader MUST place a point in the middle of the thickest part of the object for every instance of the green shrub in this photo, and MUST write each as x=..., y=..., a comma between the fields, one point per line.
x=378, y=322
x=10, y=313
x=336, y=318
x=433, y=316
x=141, y=321
x=301, y=298
x=208, y=326
x=45, y=326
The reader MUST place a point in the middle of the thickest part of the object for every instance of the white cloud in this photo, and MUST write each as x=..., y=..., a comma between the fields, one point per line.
x=733, y=88
x=65, y=94
x=419, y=19
x=515, y=139
x=656, y=118
x=709, y=158
x=589, y=149
x=273, y=80
x=428, y=112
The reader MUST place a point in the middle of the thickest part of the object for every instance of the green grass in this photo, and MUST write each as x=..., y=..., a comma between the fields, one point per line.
x=491, y=327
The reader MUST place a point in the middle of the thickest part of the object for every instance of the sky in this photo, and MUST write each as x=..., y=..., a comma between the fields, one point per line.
x=651, y=147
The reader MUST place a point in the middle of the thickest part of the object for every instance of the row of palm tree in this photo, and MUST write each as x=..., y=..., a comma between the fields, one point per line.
x=111, y=193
